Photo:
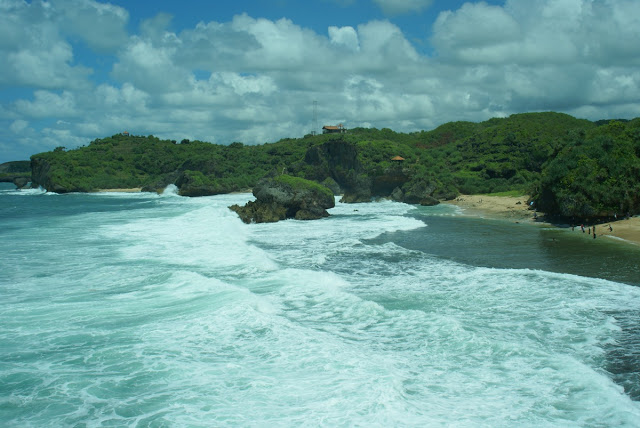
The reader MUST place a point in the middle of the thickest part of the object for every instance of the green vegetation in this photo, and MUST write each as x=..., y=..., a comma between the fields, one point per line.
x=571, y=167
x=301, y=183
x=9, y=171
x=136, y=161
x=594, y=174
x=510, y=193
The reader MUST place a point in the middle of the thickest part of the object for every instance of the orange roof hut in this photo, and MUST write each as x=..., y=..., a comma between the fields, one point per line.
x=340, y=129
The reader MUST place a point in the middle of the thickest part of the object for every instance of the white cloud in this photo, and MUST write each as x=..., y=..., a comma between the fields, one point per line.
x=100, y=25
x=397, y=7
x=282, y=44
x=48, y=104
x=243, y=85
x=548, y=31
x=475, y=26
x=382, y=42
x=32, y=51
x=18, y=126
x=345, y=37
x=150, y=65
x=544, y=55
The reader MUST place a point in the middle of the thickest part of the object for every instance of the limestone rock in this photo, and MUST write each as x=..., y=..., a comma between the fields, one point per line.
x=397, y=194
x=20, y=182
x=429, y=201
x=257, y=212
x=416, y=191
x=286, y=197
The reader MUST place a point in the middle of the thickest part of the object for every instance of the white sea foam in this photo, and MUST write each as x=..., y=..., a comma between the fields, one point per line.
x=23, y=192
x=179, y=314
x=170, y=190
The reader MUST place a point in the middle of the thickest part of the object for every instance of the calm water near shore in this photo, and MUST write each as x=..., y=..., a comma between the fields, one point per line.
x=506, y=244
x=157, y=310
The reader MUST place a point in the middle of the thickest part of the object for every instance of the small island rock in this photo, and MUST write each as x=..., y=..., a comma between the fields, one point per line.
x=286, y=197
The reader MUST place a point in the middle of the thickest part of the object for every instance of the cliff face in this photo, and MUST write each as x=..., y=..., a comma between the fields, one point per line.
x=390, y=179
x=40, y=173
x=41, y=176
x=338, y=160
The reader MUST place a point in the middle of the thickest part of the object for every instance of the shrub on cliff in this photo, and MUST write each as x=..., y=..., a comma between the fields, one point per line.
x=596, y=174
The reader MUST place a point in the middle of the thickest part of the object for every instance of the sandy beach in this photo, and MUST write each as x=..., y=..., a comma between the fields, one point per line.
x=132, y=190
x=515, y=209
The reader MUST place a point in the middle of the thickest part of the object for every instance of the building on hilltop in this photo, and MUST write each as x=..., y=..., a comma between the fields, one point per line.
x=340, y=129
x=397, y=159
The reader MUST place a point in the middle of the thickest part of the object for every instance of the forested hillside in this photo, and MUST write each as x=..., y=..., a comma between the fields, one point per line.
x=571, y=167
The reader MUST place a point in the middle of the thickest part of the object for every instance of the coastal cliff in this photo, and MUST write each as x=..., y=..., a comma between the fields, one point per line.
x=572, y=168
x=347, y=165
x=52, y=179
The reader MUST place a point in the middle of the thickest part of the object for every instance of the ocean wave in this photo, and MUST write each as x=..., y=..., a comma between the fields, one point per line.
x=176, y=313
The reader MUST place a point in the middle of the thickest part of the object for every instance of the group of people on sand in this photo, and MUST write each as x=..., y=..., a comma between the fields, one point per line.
x=588, y=230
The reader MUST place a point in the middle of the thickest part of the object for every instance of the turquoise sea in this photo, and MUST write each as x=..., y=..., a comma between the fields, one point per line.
x=157, y=310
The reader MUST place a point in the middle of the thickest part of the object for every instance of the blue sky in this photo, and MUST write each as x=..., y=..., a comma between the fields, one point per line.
x=248, y=70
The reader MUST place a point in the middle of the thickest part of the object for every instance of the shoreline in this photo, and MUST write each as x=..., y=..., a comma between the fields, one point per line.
x=131, y=190
x=516, y=209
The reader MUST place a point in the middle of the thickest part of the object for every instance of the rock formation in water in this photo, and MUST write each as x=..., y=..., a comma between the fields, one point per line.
x=20, y=182
x=285, y=197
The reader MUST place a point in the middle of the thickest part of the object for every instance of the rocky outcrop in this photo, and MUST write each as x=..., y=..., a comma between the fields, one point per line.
x=359, y=190
x=332, y=185
x=286, y=197
x=419, y=192
x=260, y=212
x=391, y=178
x=416, y=192
x=20, y=182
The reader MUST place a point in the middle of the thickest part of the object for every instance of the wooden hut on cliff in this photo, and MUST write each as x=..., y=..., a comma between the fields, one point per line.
x=340, y=129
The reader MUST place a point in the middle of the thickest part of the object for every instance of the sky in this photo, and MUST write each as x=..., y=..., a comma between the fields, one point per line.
x=250, y=71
